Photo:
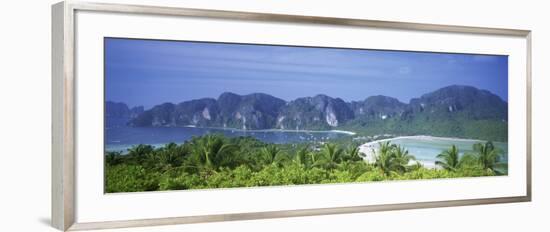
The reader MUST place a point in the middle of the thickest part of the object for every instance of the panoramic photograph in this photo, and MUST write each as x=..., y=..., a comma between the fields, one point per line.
x=208, y=115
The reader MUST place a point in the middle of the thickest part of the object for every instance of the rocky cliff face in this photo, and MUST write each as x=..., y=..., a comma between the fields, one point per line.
x=253, y=111
x=121, y=110
x=319, y=112
x=449, y=106
x=118, y=113
x=378, y=107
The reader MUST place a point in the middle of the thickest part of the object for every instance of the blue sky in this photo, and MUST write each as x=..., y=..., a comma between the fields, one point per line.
x=150, y=72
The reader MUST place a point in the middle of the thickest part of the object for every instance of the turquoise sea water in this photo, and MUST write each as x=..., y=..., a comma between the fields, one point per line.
x=119, y=138
x=428, y=149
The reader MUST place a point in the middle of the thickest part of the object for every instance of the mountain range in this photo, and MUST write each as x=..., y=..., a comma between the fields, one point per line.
x=457, y=111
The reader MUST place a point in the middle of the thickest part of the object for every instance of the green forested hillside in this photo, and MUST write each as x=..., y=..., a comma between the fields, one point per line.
x=453, y=111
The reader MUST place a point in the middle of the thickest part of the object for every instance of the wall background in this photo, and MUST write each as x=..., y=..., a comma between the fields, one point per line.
x=25, y=114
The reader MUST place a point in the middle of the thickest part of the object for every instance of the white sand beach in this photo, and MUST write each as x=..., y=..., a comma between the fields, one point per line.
x=370, y=148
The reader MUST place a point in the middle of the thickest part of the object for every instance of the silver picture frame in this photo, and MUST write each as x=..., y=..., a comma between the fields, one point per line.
x=63, y=111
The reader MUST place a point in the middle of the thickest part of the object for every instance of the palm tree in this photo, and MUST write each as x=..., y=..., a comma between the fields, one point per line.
x=392, y=158
x=449, y=159
x=488, y=156
x=140, y=153
x=385, y=147
x=140, y=150
x=270, y=154
x=171, y=154
x=301, y=156
x=212, y=151
x=401, y=159
x=384, y=157
x=112, y=158
x=332, y=155
x=315, y=159
x=353, y=154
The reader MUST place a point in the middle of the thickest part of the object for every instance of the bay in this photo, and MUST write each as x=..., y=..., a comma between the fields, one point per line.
x=426, y=148
x=120, y=138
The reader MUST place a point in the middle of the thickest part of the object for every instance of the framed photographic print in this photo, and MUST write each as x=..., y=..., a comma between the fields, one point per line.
x=201, y=115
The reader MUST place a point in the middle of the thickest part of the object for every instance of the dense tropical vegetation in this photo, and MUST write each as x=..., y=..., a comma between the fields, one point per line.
x=215, y=161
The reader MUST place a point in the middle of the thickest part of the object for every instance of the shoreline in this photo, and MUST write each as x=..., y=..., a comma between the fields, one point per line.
x=122, y=147
x=275, y=130
x=427, y=137
x=369, y=148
